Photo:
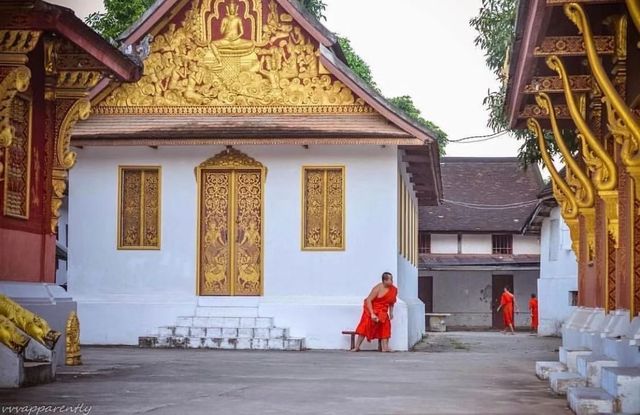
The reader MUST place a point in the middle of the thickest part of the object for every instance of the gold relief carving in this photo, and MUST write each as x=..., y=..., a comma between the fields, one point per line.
x=28, y=322
x=81, y=80
x=553, y=84
x=50, y=56
x=11, y=337
x=18, y=41
x=139, y=208
x=230, y=224
x=17, y=80
x=231, y=110
x=72, y=347
x=323, y=208
x=214, y=232
x=573, y=46
x=18, y=161
x=15, y=44
x=248, y=235
x=534, y=111
x=212, y=61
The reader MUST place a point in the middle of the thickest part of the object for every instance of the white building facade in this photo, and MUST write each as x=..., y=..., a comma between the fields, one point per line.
x=198, y=201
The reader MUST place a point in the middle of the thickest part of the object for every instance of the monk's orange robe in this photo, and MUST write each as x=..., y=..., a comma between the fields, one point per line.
x=382, y=329
x=533, y=308
x=506, y=303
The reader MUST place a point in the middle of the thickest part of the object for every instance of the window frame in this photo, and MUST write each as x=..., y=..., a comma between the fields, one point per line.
x=426, y=234
x=120, y=246
x=303, y=170
x=509, y=248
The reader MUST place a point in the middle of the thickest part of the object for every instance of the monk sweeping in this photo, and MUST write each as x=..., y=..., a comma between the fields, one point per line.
x=377, y=314
x=507, y=304
x=533, y=309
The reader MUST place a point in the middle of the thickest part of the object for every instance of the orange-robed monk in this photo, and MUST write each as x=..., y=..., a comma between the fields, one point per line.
x=507, y=304
x=377, y=314
x=533, y=309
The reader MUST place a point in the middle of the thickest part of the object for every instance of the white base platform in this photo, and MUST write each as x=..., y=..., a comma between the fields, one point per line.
x=319, y=320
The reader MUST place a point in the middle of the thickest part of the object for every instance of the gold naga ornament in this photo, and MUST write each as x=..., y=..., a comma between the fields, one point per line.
x=30, y=323
x=223, y=58
x=11, y=337
x=72, y=347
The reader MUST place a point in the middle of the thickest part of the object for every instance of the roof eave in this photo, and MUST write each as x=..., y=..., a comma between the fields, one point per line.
x=529, y=21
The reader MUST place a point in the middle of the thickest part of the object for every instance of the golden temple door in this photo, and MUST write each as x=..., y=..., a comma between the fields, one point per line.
x=230, y=224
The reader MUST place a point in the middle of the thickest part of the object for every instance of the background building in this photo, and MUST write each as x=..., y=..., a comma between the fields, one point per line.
x=473, y=244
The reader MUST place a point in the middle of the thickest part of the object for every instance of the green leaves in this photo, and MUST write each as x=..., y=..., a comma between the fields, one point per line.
x=357, y=64
x=405, y=103
x=495, y=24
x=118, y=16
x=315, y=7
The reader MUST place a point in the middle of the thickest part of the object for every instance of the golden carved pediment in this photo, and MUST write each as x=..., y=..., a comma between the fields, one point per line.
x=231, y=158
x=233, y=56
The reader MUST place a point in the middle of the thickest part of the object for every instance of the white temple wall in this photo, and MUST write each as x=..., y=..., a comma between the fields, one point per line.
x=558, y=274
x=123, y=294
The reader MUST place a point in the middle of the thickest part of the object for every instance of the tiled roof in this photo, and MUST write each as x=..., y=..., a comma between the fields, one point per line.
x=487, y=184
x=433, y=261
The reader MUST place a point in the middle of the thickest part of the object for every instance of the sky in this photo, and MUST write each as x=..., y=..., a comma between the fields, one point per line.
x=421, y=48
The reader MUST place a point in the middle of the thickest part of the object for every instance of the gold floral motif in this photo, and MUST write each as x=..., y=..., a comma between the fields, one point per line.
x=18, y=161
x=210, y=60
x=72, y=347
x=553, y=84
x=11, y=337
x=573, y=46
x=231, y=191
x=535, y=111
x=139, y=208
x=214, y=231
x=82, y=80
x=30, y=323
x=247, y=235
x=17, y=80
x=323, y=208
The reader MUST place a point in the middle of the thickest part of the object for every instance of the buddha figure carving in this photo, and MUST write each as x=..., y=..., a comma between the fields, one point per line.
x=232, y=32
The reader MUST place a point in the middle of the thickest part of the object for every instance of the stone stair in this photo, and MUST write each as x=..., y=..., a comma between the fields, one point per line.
x=212, y=328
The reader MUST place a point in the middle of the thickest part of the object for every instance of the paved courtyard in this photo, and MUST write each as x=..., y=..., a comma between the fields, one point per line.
x=452, y=373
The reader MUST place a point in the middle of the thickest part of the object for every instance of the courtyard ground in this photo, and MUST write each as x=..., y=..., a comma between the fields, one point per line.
x=449, y=373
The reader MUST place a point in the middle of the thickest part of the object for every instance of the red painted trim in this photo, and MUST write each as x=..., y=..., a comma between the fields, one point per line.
x=523, y=57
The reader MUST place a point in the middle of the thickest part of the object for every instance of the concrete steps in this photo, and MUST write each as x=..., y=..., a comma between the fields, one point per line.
x=590, y=401
x=623, y=383
x=38, y=373
x=211, y=328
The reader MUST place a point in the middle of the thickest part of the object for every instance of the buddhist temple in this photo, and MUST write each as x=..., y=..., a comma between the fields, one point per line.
x=574, y=77
x=247, y=191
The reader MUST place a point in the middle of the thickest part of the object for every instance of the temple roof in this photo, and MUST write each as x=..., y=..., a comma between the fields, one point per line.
x=474, y=187
x=228, y=95
x=42, y=16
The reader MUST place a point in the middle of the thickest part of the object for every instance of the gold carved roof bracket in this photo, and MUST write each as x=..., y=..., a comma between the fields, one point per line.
x=622, y=123
x=561, y=190
x=577, y=179
x=64, y=158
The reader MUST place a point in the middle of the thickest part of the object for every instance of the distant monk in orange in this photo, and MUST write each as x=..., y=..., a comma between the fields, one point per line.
x=533, y=309
x=507, y=304
x=377, y=314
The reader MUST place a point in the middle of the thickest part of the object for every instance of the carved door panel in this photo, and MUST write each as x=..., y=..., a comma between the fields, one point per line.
x=230, y=231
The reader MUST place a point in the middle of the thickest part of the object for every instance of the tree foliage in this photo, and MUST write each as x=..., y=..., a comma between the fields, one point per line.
x=405, y=103
x=495, y=26
x=118, y=16
x=315, y=7
x=357, y=64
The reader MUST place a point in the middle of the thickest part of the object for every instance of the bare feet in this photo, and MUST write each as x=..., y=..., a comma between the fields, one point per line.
x=354, y=350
